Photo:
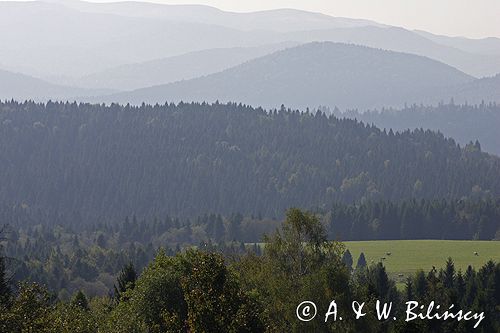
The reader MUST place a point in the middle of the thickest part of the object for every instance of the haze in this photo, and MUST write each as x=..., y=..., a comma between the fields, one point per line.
x=474, y=19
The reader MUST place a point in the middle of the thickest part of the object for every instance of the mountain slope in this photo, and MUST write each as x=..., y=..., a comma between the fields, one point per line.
x=482, y=90
x=489, y=45
x=97, y=37
x=463, y=123
x=403, y=40
x=177, y=68
x=330, y=74
x=278, y=20
x=91, y=161
x=22, y=87
x=92, y=42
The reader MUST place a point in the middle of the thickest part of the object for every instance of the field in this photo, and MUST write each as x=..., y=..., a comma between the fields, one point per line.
x=406, y=257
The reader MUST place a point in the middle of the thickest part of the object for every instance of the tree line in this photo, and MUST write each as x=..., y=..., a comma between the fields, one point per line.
x=199, y=290
x=68, y=256
x=465, y=123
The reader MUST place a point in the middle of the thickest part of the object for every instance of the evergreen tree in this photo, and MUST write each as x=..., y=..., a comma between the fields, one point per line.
x=126, y=280
x=5, y=291
x=347, y=259
x=420, y=285
x=361, y=261
x=80, y=300
x=409, y=289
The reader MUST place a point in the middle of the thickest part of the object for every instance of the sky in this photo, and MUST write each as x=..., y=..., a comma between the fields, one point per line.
x=469, y=18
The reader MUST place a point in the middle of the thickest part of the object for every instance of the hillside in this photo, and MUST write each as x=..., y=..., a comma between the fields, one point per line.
x=486, y=89
x=22, y=87
x=98, y=37
x=92, y=42
x=347, y=76
x=177, y=68
x=277, y=20
x=490, y=45
x=464, y=123
x=402, y=40
x=82, y=161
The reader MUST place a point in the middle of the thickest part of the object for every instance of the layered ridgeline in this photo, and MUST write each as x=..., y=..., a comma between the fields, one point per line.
x=464, y=123
x=176, y=68
x=190, y=159
x=19, y=86
x=97, y=37
x=329, y=74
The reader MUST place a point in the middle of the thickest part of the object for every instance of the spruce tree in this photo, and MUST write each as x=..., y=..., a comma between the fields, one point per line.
x=347, y=259
x=126, y=280
x=361, y=261
x=5, y=291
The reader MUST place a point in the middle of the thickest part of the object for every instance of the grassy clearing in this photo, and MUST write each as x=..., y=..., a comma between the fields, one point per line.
x=409, y=256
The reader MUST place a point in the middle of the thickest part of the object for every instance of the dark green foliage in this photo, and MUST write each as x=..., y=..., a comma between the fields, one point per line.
x=415, y=219
x=126, y=280
x=379, y=284
x=67, y=257
x=80, y=300
x=191, y=292
x=347, y=259
x=29, y=311
x=5, y=290
x=447, y=287
x=298, y=264
x=464, y=123
x=201, y=291
x=361, y=263
x=189, y=159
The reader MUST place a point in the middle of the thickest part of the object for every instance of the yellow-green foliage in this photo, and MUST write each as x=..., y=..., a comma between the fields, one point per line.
x=410, y=256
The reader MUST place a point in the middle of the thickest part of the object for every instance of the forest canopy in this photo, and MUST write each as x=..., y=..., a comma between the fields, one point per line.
x=83, y=161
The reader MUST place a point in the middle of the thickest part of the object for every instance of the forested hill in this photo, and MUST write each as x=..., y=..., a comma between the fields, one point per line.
x=190, y=159
x=464, y=123
x=330, y=74
x=19, y=86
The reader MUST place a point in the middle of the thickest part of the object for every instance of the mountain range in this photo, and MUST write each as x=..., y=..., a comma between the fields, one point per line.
x=23, y=87
x=189, y=52
x=330, y=74
x=98, y=37
x=176, y=68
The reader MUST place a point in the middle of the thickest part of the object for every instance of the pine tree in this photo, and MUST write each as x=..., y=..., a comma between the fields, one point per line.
x=80, y=300
x=409, y=289
x=361, y=261
x=5, y=291
x=347, y=259
x=126, y=280
x=420, y=285
x=449, y=274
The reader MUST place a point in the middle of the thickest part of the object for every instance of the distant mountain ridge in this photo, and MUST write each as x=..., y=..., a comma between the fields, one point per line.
x=22, y=87
x=100, y=36
x=331, y=74
x=176, y=68
x=402, y=40
x=276, y=20
x=483, y=90
x=489, y=45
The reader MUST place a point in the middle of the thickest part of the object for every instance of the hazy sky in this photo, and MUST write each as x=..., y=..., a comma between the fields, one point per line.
x=471, y=18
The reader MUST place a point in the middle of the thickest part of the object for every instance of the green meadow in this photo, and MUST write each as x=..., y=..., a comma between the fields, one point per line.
x=408, y=256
